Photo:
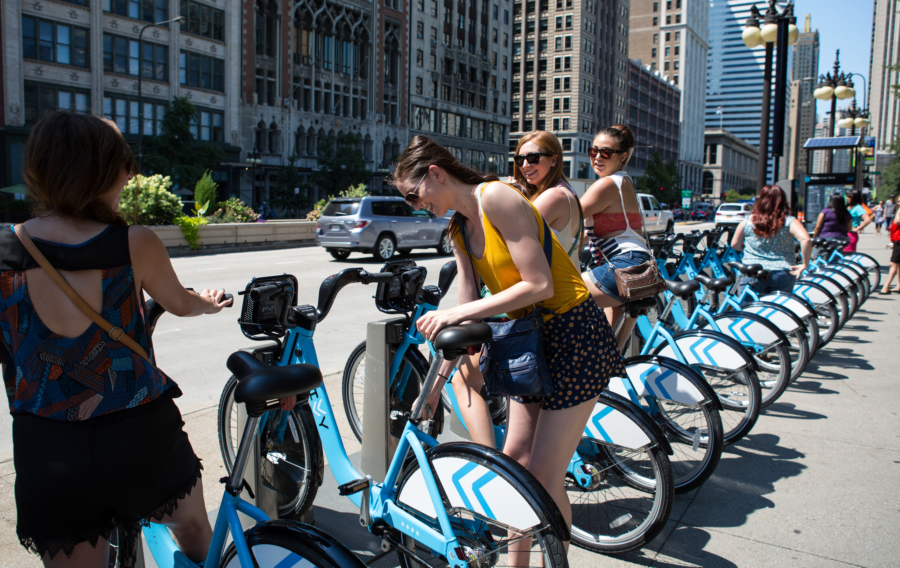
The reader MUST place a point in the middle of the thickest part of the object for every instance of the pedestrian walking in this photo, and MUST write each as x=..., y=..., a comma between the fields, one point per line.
x=97, y=437
x=613, y=221
x=498, y=235
x=894, y=271
x=834, y=221
x=878, y=211
x=860, y=218
x=767, y=238
x=890, y=209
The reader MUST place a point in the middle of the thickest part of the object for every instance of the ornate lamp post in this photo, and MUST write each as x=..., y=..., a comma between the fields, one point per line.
x=140, y=156
x=853, y=118
x=833, y=86
x=253, y=158
x=775, y=25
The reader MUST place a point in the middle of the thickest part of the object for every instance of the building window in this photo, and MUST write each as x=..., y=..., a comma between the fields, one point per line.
x=655, y=21
x=677, y=18
x=203, y=20
x=200, y=71
x=208, y=125
x=42, y=99
x=655, y=38
x=120, y=55
x=147, y=10
x=124, y=112
x=418, y=85
x=677, y=36
x=49, y=41
x=559, y=22
x=266, y=28
x=666, y=66
x=668, y=20
x=653, y=52
x=420, y=30
x=677, y=49
x=656, y=6
x=434, y=8
x=667, y=51
x=420, y=57
x=569, y=22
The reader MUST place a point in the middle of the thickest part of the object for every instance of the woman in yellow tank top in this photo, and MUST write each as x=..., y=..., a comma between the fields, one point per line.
x=505, y=233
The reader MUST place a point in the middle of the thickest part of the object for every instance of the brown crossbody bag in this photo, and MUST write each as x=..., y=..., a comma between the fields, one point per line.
x=117, y=334
x=643, y=280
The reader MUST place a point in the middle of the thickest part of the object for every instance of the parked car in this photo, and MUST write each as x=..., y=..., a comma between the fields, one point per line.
x=678, y=214
x=703, y=211
x=656, y=219
x=732, y=213
x=379, y=226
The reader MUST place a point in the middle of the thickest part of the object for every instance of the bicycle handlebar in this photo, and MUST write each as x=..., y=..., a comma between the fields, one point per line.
x=155, y=310
x=333, y=284
x=446, y=277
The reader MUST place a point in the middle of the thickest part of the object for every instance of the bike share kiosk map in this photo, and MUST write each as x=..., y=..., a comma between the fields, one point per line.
x=818, y=189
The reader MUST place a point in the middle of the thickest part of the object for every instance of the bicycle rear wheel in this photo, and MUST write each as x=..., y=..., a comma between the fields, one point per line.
x=291, y=462
x=479, y=514
x=628, y=502
x=280, y=544
x=697, y=439
x=741, y=397
x=776, y=369
x=870, y=265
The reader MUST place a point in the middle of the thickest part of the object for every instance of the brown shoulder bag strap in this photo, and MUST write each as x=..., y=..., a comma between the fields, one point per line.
x=115, y=333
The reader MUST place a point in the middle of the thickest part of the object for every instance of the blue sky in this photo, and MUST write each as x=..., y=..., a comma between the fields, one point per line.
x=842, y=25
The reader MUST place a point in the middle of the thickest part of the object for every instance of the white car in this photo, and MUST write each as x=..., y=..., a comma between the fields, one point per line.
x=732, y=213
x=656, y=219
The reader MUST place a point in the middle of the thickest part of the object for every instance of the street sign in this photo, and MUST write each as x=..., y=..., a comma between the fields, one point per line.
x=685, y=202
x=876, y=173
x=686, y=193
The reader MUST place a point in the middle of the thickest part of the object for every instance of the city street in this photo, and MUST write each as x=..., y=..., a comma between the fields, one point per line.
x=814, y=484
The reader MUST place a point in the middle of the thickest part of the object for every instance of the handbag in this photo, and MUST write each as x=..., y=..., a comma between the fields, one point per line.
x=513, y=362
x=642, y=280
x=117, y=334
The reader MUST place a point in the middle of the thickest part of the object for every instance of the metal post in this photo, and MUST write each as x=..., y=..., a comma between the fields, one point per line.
x=377, y=450
x=829, y=155
x=761, y=176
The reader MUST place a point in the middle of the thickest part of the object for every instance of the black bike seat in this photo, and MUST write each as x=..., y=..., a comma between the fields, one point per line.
x=745, y=269
x=682, y=289
x=635, y=307
x=259, y=382
x=457, y=337
x=714, y=284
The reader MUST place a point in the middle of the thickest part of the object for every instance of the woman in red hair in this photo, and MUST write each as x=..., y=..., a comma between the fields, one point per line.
x=767, y=238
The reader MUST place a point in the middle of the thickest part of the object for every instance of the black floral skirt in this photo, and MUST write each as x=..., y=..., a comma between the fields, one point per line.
x=582, y=355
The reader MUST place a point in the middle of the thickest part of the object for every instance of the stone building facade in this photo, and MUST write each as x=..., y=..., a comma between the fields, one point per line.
x=653, y=115
x=729, y=162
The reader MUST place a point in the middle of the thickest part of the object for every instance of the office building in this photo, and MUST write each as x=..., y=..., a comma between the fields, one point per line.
x=84, y=56
x=735, y=75
x=804, y=72
x=460, y=68
x=653, y=110
x=729, y=162
x=884, y=110
x=569, y=73
x=672, y=37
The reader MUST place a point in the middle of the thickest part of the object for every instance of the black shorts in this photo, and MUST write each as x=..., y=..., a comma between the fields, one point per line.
x=76, y=480
x=895, y=254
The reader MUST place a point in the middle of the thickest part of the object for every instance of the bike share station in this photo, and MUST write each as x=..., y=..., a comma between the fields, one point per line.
x=816, y=190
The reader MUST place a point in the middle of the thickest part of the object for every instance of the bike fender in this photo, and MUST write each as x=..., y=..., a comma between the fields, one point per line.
x=781, y=318
x=813, y=293
x=863, y=259
x=688, y=380
x=648, y=378
x=706, y=347
x=796, y=304
x=470, y=485
x=321, y=543
x=638, y=417
x=750, y=327
x=611, y=425
x=844, y=281
x=829, y=284
x=854, y=273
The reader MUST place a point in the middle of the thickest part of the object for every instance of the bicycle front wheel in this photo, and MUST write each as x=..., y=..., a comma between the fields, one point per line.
x=279, y=544
x=741, y=398
x=776, y=369
x=291, y=458
x=489, y=497
x=697, y=439
x=628, y=502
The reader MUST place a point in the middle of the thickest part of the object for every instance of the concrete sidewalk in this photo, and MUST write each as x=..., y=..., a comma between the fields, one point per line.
x=815, y=483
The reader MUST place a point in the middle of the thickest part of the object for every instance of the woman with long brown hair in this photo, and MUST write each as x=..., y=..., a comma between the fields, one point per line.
x=97, y=437
x=503, y=243
x=767, y=238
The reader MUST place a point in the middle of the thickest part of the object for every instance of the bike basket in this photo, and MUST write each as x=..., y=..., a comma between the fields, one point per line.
x=261, y=319
x=399, y=297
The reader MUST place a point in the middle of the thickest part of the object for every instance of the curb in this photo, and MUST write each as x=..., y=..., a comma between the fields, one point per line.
x=185, y=252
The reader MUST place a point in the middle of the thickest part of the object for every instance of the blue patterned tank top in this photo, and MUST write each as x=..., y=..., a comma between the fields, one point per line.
x=74, y=379
x=773, y=253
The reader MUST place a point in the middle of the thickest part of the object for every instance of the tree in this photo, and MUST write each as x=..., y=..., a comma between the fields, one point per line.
x=891, y=178
x=285, y=193
x=660, y=174
x=174, y=153
x=732, y=196
x=340, y=168
x=205, y=194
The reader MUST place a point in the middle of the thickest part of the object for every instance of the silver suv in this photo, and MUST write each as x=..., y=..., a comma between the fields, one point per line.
x=380, y=226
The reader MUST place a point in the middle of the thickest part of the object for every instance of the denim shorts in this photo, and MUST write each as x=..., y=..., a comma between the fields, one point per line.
x=778, y=281
x=604, y=275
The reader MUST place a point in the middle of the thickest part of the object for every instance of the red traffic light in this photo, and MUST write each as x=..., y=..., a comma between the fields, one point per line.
x=662, y=189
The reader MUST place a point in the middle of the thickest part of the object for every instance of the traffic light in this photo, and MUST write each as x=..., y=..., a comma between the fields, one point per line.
x=662, y=189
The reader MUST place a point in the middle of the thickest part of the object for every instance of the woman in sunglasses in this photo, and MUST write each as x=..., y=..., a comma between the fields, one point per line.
x=505, y=234
x=613, y=221
x=538, y=167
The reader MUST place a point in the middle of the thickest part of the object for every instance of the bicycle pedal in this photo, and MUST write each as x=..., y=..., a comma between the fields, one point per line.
x=353, y=487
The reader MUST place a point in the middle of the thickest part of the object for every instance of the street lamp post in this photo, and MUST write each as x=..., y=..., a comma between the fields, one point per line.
x=253, y=158
x=141, y=105
x=833, y=86
x=853, y=117
x=775, y=25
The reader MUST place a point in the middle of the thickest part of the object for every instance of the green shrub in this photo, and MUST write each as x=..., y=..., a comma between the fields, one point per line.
x=190, y=228
x=156, y=204
x=205, y=194
x=234, y=211
x=353, y=191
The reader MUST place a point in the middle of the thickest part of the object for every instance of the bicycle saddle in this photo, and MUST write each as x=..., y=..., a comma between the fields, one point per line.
x=635, y=307
x=714, y=284
x=682, y=289
x=454, y=340
x=745, y=269
x=259, y=382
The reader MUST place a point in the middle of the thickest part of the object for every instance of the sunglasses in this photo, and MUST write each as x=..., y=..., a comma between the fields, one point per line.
x=532, y=158
x=605, y=153
x=412, y=197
